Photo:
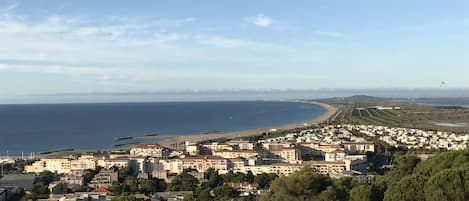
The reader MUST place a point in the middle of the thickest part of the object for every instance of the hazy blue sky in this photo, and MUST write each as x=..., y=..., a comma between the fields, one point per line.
x=56, y=46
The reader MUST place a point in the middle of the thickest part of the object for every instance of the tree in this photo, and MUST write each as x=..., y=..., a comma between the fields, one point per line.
x=361, y=193
x=183, y=182
x=234, y=177
x=301, y=185
x=125, y=172
x=264, y=180
x=405, y=165
x=214, y=179
x=38, y=191
x=115, y=188
x=130, y=185
x=126, y=198
x=204, y=195
x=61, y=189
x=147, y=186
x=46, y=177
x=449, y=184
x=409, y=188
x=224, y=193
x=250, y=177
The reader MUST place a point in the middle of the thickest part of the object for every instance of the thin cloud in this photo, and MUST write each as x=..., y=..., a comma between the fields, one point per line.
x=262, y=21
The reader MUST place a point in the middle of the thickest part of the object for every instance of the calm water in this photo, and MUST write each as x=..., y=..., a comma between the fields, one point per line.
x=443, y=101
x=45, y=127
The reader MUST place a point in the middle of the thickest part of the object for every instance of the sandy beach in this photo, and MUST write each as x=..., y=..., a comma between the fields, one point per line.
x=177, y=141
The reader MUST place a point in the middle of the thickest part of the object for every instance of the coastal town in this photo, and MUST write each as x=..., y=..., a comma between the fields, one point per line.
x=334, y=150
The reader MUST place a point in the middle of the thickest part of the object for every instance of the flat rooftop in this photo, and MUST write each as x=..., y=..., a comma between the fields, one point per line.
x=17, y=180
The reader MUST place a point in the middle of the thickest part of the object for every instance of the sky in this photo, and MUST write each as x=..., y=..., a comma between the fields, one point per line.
x=89, y=46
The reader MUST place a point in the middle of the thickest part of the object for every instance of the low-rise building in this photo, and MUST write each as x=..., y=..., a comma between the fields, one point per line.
x=53, y=165
x=83, y=164
x=85, y=196
x=359, y=147
x=73, y=178
x=151, y=150
x=236, y=153
x=110, y=163
x=286, y=154
x=13, y=181
x=277, y=168
x=200, y=163
x=241, y=144
x=104, y=179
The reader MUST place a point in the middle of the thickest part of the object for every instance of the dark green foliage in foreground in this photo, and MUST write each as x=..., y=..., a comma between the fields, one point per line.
x=15, y=196
x=38, y=191
x=443, y=177
x=61, y=189
x=47, y=177
x=304, y=184
x=183, y=182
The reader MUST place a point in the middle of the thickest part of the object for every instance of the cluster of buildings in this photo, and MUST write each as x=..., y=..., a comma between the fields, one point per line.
x=335, y=150
x=324, y=153
x=413, y=138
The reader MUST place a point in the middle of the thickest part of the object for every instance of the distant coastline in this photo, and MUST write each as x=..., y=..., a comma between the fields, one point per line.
x=118, y=125
x=171, y=140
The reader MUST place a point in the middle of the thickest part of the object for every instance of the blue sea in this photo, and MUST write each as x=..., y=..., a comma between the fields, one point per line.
x=44, y=127
x=464, y=102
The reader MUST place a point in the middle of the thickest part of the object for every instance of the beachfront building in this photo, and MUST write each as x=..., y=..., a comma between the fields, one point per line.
x=241, y=144
x=200, y=163
x=110, y=163
x=236, y=153
x=151, y=150
x=277, y=168
x=191, y=148
x=83, y=164
x=53, y=165
x=209, y=147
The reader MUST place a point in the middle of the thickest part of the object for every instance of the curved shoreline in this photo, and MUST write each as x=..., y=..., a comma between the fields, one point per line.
x=172, y=141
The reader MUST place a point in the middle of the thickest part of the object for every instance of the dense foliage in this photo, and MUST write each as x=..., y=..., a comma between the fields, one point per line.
x=444, y=176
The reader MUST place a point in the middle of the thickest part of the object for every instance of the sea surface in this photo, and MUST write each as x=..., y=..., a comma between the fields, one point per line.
x=464, y=102
x=46, y=127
